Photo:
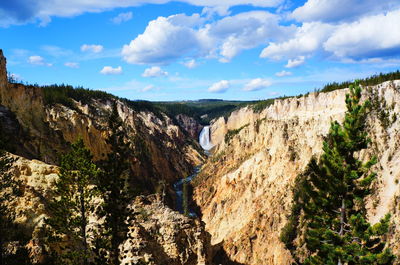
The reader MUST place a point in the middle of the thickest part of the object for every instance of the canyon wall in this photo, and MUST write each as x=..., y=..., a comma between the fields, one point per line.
x=160, y=154
x=244, y=190
x=160, y=150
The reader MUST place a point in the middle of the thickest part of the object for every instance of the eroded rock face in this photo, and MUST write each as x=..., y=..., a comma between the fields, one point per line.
x=158, y=235
x=244, y=190
x=36, y=181
x=190, y=125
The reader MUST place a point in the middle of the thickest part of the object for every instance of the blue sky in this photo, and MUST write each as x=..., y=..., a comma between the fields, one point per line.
x=192, y=49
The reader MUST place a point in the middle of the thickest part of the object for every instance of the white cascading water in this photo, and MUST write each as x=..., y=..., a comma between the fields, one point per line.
x=204, y=138
x=182, y=198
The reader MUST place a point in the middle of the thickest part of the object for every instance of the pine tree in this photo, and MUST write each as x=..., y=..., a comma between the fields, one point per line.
x=72, y=205
x=115, y=190
x=331, y=196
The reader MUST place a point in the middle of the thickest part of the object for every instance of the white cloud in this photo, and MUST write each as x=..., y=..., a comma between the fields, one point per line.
x=308, y=39
x=283, y=73
x=108, y=70
x=91, y=48
x=72, y=65
x=245, y=31
x=162, y=42
x=257, y=84
x=38, y=60
x=338, y=10
x=154, y=71
x=169, y=38
x=190, y=64
x=24, y=11
x=122, y=17
x=295, y=62
x=219, y=87
x=219, y=10
x=147, y=88
x=373, y=36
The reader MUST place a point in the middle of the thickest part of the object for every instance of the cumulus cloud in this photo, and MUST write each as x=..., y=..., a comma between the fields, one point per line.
x=283, y=73
x=373, y=36
x=72, y=65
x=246, y=31
x=169, y=38
x=154, y=71
x=307, y=39
x=91, y=48
x=216, y=10
x=219, y=87
x=122, y=17
x=22, y=11
x=108, y=70
x=295, y=62
x=341, y=10
x=162, y=42
x=190, y=64
x=257, y=84
x=38, y=60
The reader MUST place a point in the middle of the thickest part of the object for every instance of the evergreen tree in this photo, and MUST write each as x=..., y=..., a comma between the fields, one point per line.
x=72, y=205
x=331, y=196
x=115, y=190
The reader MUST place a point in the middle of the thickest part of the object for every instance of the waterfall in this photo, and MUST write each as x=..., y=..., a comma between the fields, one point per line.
x=204, y=138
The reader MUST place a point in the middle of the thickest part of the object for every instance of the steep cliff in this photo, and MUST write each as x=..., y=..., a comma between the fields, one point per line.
x=244, y=190
x=190, y=125
x=160, y=150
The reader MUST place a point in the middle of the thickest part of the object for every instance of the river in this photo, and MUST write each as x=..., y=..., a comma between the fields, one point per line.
x=182, y=186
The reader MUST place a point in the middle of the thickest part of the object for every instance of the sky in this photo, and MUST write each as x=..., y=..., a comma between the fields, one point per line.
x=163, y=50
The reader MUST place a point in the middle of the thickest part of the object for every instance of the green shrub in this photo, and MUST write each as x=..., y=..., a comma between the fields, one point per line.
x=231, y=133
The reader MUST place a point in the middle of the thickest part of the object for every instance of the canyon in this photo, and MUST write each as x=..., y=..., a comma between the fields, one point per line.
x=242, y=193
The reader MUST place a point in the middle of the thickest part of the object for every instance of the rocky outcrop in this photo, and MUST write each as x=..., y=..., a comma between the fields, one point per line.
x=190, y=125
x=158, y=235
x=36, y=181
x=244, y=190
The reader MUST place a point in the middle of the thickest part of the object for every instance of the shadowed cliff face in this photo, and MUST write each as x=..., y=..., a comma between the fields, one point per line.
x=244, y=190
x=160, y=151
